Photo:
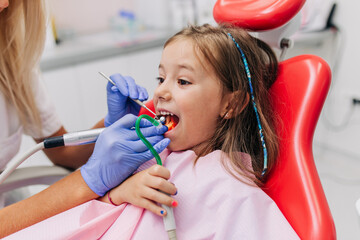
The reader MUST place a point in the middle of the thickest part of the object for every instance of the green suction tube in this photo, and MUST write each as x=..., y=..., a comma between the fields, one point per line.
x=169, y=219
x=143, y=139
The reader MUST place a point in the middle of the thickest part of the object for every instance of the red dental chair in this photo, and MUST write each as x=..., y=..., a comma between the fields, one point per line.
x=298, y=96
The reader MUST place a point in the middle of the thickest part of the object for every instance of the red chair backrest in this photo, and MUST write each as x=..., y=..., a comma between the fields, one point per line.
x=298, y=96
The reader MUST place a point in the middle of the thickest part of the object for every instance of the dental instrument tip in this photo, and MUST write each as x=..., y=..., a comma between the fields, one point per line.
x=109, y=79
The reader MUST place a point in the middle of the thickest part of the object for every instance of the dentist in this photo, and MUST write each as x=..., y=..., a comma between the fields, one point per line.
x=26, y=108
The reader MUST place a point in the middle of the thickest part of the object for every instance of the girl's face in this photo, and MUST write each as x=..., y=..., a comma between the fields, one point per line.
x=3, y=4
x=190, y=95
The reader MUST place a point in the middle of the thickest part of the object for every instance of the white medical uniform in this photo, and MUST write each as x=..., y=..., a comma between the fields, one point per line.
x=12, y=129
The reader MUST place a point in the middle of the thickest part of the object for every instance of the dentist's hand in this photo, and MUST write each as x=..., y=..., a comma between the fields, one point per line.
x=119, y=152
x=118, y=98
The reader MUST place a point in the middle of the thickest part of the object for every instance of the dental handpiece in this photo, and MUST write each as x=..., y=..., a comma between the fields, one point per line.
x=135, y=100
x=68, y=139
x=74, y=138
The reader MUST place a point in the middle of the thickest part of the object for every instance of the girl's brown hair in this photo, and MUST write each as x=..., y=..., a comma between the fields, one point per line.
x=240, y=132
x=22, y=37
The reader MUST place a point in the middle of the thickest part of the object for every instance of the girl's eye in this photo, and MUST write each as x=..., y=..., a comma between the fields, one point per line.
x=160, y=79
x=183, y=82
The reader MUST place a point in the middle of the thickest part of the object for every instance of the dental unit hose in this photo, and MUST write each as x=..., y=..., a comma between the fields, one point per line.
x=68, y=139
x=169, y=219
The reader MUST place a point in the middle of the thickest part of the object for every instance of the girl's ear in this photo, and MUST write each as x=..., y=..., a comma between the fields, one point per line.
x=231, y=101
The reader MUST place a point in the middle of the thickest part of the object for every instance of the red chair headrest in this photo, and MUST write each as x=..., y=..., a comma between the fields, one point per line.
x=256, y=15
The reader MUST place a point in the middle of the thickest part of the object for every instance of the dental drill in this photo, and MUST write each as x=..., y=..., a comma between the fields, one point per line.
x=68, y=139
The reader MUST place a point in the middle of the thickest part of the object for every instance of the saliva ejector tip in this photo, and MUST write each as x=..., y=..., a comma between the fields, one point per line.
x=162, y=119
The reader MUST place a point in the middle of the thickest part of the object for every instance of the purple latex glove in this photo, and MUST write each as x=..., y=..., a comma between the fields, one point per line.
x=119, y=152
x=119, y=98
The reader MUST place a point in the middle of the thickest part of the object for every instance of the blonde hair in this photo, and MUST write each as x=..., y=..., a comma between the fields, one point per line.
x=239, y=133
x=22, y=37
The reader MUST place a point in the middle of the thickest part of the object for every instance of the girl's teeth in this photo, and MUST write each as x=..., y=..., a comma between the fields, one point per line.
x=166, y=113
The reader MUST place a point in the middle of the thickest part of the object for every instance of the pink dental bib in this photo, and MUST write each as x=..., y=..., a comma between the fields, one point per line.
x=212, y=205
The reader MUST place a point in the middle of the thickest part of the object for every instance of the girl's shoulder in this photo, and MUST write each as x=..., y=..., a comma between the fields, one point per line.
x=219, y=163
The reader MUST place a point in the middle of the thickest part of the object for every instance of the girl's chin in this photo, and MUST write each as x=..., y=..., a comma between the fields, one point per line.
x=176, y=147
x=172, y=148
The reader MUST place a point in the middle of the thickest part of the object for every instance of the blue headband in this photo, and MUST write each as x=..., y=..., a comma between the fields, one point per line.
x=253, y=103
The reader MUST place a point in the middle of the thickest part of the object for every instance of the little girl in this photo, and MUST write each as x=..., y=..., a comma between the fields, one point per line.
x=213, y=89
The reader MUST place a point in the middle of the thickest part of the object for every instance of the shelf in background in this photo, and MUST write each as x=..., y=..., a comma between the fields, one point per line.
x=100, y=45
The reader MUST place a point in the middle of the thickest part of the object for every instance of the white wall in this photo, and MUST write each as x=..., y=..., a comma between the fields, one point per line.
x=339, y=128
x=84, y=16
x=336, y=138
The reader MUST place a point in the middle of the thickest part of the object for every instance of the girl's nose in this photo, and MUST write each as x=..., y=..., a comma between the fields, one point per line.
x=162, y=92
x=4, y=4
